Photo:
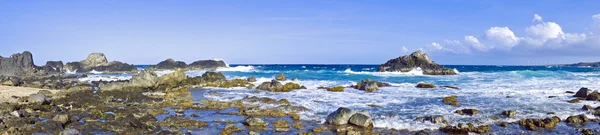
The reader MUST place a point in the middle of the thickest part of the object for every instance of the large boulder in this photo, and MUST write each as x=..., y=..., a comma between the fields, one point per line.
x=207, y=64
x=94, y=60
x=369, y=85
x=594, y=96
x=273, y=85
x=276, y=86
x=170, y=64
x=583, y=92
x=362, y=119
x=144, y=79
x=175, y=77
x=38, y=99
x=17, y=64
x=412, y=61
x=340, y=117
x=213, y=76
x=343, y=116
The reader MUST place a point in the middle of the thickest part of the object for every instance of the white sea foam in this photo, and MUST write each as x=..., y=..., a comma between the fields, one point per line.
x=413, y=72
x=71, y=72
x=238, y=69
x=490, y=93
x=95, y=72
x=90, y=78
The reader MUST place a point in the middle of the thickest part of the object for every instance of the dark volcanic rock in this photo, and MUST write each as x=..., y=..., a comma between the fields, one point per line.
x=414, y=60
x=170, y=64
x=17, y=64
x=583, y=92
x=115, y=66
x=207, y=64
x=53, y=66
x=74, y=67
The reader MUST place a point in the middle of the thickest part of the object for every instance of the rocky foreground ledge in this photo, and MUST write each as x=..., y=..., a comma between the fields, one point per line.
x=416, y=59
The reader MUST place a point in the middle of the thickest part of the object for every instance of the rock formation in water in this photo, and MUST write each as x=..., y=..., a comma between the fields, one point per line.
x=170, y=64
x=207, y=64
x=98, y=62
x=412, y=61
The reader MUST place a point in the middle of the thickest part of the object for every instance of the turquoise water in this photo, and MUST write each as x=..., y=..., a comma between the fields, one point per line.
x=490, y=89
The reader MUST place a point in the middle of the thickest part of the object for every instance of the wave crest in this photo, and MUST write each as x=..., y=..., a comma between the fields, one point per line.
x=413, y=72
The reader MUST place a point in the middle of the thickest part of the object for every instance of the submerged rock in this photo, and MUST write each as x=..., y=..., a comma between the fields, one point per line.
x=577, y=119
x=533, y=124
x=425, y=85
x=467, y=111
x=462, y=128
x=282, y=126
x=436, y=119
x=509, y=113
x=412, y=61
x=587, y=107
x=255, y=121
x=451, y=100
x=280, y=77
x=336, y=89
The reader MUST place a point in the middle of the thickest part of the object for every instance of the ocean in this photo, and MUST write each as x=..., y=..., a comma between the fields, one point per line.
x=533, y=91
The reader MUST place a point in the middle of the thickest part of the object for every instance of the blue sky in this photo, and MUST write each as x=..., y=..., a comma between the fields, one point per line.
x=319, y=32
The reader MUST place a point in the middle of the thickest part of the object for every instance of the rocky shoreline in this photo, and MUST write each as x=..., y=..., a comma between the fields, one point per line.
x=152, y=104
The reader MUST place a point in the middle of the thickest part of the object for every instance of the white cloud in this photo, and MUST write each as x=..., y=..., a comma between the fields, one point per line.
x=502, y=36
x=537, y=17
x=544, y=31
x=405, y=50
x=542, y=36
x=436, y=46
x=474, y=42
x=596, y=19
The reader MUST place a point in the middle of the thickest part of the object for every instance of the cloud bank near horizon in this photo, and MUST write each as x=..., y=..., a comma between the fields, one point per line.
x=540, y=39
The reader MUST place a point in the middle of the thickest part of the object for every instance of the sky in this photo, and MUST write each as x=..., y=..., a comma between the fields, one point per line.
x=459, y=32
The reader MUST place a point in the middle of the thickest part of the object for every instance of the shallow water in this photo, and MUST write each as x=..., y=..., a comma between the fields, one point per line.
x=490, y=89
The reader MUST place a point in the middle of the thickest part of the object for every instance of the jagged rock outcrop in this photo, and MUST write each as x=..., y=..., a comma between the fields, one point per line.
x=412, y=61
x=207, y=65
x=17, y=64
x=170, y=64
x=53, y=67
x=98, y=62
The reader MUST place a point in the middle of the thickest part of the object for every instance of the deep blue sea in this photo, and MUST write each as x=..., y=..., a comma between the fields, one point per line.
x=490, y=89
